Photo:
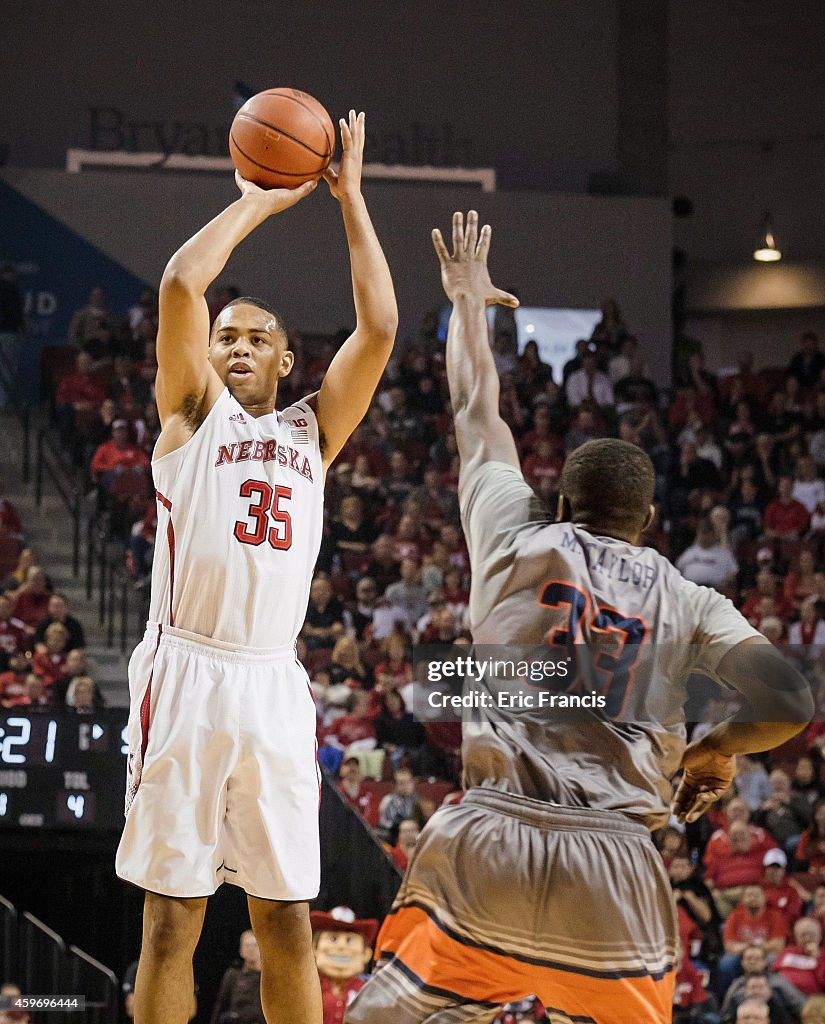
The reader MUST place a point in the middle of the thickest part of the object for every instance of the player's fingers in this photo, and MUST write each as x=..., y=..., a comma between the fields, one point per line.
x=471, y=236
x=506, y=299
x=458, y=232
x=698, y=808
x=683, y=799
x=440, y=247
x=297, y=194
x=693, y=800
x=240, y=182
x=360, y=123
x=346, y=137
x=483, y=246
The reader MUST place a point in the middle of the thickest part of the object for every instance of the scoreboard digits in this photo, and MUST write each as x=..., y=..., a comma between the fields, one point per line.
x=62, y=770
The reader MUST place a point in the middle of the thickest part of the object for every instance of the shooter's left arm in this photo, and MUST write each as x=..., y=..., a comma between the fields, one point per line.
x=356, y=369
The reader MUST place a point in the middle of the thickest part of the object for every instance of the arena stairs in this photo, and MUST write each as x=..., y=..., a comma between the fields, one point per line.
x=48, y=531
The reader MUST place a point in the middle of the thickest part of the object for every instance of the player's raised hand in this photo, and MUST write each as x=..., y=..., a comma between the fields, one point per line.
x=274, y=200
x=465, y=270
x=346, y=181
x=707, y=775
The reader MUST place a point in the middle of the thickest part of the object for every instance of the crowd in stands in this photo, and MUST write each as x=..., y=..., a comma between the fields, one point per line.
x=739, y=460
x=43, y=662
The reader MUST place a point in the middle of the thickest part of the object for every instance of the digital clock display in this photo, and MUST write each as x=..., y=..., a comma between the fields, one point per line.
x=62, y=770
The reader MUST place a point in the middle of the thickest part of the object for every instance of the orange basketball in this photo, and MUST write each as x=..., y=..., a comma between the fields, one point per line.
x=281, y=138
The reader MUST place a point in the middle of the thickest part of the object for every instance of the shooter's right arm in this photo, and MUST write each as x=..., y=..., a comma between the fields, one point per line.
x=185, y=379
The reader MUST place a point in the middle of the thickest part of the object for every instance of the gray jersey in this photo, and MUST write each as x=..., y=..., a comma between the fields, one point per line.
x=535, y=582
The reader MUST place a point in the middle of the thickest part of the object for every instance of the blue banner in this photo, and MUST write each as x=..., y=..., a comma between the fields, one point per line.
x=56, y=270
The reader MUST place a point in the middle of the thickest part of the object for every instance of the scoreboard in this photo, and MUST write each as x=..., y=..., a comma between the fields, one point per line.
x=63, y=770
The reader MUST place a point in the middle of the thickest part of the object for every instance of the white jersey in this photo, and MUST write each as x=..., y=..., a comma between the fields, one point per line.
x=240, y=516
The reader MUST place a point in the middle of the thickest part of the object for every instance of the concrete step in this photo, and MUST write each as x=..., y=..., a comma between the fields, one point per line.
x=48, y=529
x=111, y=674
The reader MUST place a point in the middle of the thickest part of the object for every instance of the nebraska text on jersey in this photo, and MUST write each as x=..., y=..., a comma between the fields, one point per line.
x=264, y=451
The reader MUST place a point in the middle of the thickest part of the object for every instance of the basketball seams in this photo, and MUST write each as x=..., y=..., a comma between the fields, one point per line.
x=242, y=114
x=310, y=110
x=273, y=170
x=260, y=146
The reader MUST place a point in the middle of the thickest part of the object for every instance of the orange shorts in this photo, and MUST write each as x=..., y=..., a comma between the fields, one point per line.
x=507, y=897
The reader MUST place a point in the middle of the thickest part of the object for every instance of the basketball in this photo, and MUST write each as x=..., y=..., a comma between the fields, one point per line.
x=281, y=138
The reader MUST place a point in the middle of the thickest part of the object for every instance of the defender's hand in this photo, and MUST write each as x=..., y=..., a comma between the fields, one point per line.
x=707, y=775
x=274, y=200
x=346, y=182
x=466, y=270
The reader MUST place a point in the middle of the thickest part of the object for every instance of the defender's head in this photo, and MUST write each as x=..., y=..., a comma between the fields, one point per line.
x=607, y=487
x=248, y=349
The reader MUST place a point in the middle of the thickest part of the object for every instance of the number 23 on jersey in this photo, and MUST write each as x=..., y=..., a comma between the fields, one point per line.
x=614, y=638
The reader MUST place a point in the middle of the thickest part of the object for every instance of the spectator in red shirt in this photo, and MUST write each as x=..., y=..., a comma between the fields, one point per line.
x=735, y=862
x=408, y=833
x=785, y=517
x=355, y=726
x=689, y=991
x=32, y=604
x=13, y=681
x=120, y=455
x=395, y=670
x=78, y=398
x=751, y=923
x=409, y=540
x=545, y=463
x=801, y=581
x=13, y=633
x=767, y=586
x=36, y=698
x=780, y=894
x=690, y=405
x=355, y=793
x=803, y=961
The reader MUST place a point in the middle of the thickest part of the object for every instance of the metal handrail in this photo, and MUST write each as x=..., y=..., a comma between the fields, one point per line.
x=98, y=1011
x=68, y=491
x=8, y=948
x=124, y=600
x=40, y=974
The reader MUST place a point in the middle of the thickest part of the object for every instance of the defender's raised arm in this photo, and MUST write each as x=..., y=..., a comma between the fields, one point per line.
x=480, y=431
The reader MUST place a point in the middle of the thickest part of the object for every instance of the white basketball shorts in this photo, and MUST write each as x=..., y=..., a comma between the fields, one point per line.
x=222, y=779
